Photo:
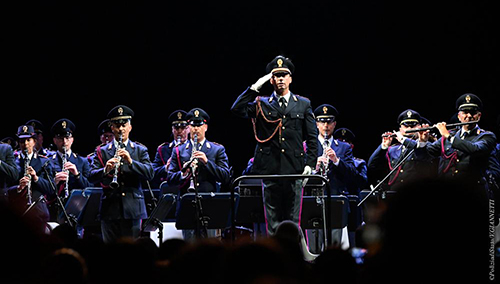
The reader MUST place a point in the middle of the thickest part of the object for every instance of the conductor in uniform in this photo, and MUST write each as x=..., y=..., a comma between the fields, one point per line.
x=122, y=207
x=282, y=121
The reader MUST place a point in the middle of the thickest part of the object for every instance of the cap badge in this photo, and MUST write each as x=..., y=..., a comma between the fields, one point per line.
x=279, y=62
x=120, y=110
x=63, y=124
x=343, y=132
x=467, y=99
x=179, y=115
x=409, y=113
x=196, y=113
x=325, y=109
x=25, y=128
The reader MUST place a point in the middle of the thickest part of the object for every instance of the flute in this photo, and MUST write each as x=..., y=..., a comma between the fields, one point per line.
x=448, y=126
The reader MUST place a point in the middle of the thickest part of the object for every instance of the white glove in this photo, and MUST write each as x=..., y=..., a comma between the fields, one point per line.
x=307, y=170
x=262, y=80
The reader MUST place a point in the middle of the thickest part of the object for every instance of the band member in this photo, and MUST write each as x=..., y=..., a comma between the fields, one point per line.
x=361, y=179
x=10, y=141
x=463, y=153
x=336, y=156
x=33, y=185
x=387, y=156
x=210, y=158
x=335, y=161
x=180, y=133
x=105, y=136
x=120, y=167
x=282, y=121
x=39, y=148
x=354, y=185
x=72, y=170
x=8, y=169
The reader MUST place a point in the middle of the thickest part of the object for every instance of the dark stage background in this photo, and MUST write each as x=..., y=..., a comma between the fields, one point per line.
x=370, y=59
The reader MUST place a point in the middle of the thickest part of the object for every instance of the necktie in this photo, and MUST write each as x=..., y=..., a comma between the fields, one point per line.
x=464, y=135
x=283, y=103
x=327, y=143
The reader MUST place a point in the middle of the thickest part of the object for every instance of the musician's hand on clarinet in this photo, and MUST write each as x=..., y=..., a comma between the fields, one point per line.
x=201, y=156
x=23, y=182
x=441, y=126
x=71, y=168
x=110, y=164
x=32, y=173
x=125, y=155
x=262, y=80
x=332, y=156
x=61, y=176
x=322, y=160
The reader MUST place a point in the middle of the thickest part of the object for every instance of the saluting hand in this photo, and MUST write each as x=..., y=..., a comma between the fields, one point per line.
x=257, y=85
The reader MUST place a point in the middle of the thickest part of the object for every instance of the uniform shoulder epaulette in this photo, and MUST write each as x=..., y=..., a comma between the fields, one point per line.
x=161, y=145
x=264, y=98
x=218, y=144
x=100, y=145
x=140, y=144
x=306, y=98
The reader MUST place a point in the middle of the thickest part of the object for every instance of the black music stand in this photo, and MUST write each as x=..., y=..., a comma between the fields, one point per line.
x=166, y=188
x=250, y=210
x=158, y=215
x=83, y=205
x=216, y=210
x=312, y=212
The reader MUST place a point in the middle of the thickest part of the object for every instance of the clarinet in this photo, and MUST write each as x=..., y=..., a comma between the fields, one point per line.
x=325, y=165
x=64, y=161
x=114, y=183
x=27, y=162
x=191, y=161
